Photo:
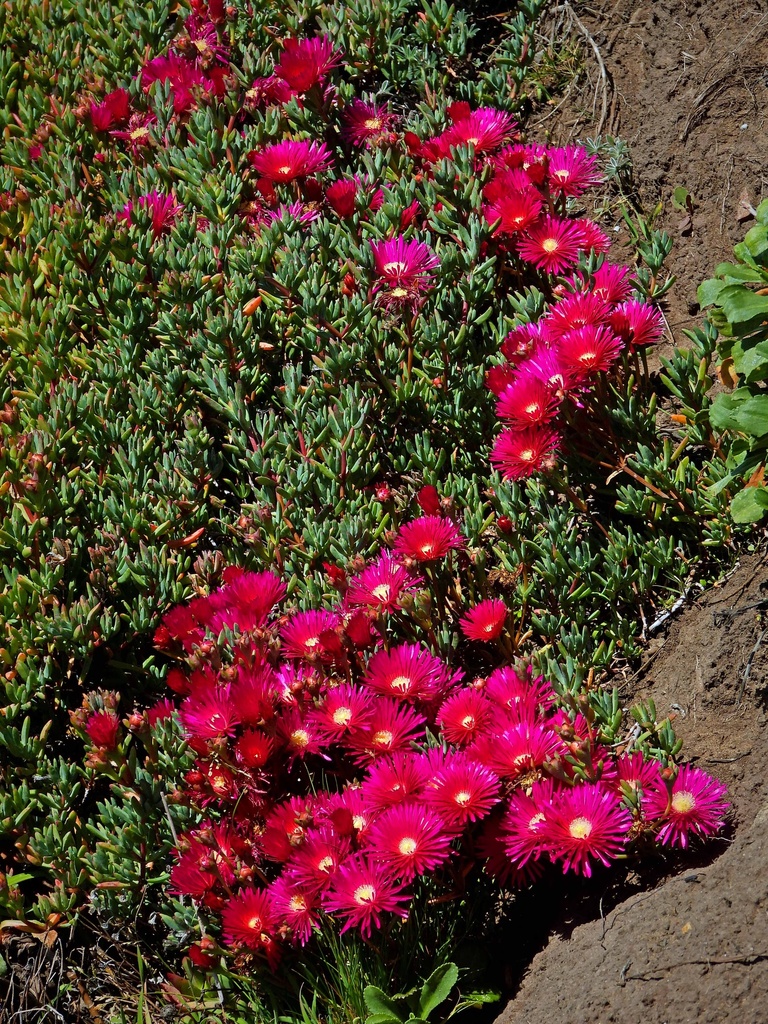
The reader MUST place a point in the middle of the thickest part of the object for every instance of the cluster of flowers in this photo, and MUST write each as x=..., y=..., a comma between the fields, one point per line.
x=339, y=766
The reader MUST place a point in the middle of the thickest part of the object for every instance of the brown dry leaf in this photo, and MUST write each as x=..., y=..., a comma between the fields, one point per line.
x=728, y=376
x=756, y=480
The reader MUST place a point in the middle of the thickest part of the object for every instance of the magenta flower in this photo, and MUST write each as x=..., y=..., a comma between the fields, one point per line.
x=589, y=350
x=288, y=160
x=342, y=709
x=516, y=751
x=638, y=323
x=136, y=133
x=695, y=805
x=246, y=602
x=305, y=634
x=572, y=171
x=340, y=196
x=464, y=715
x=428, y=538
x=209, y=714
x=163, y=209
x=113, y=109
x=610, y=282
x=585, y=824
x=391, y=727
x=522, y=697
x=365, y=124
x=408, y=672
x=361, y=892
x=518, y=454
x=404, y=269
x=581, y=309
x=485, y=129
x=463, y=791
x=552, y=244
x=516, y=211
x=410, y=839
x=295, y=906
x=102, y=728
x=248, y=918
x=528, y=402
x=524, y=820
x=485, y=621
x=381, y=584
x=186, y=80
x=305, y=62
x=392, y=780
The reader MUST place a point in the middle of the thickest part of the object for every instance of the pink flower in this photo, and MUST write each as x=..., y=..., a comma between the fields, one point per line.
x=552, y=244
x=518, y=454
x=404, y=269
x=246, y=602
x=305, y=62
x=297, y=734
x=521, y=342
x=428, y=538
x=288, y=160
x=185, y=79
x=517, y=750
x=694, y=805
x=163, y=209
x=638, y=323
x=136, y=133
x=524, y=820
x=589, y=350
x=365, y=124
x=203, y=45
x=114, y=109
x=584, y=824
x=517, y=211
x=255, y=693
x=410, y=839
x=485, y=621
x=391, y=727
x=296, y=907
x=594, y=236
x=463, y=791
x=253, y=749
x=527, y=402
x=392, y=780
x=269, y=91
x=485, y=129
x=636, y=774
x=189, y=877
x=610, y=283
x=315, y=864
x=408, y=672
x=102, y=728
x=285, y=829
x=521, y=696
x=498, y=378
x=304, y=635
x=463, y=716
x=343, y=708
x=209, y=714
x=248, y=918
x=581, y=309
x=160, y=712
x=572, y=171
x=381, y=584
x=361, y=892
x=340, y=196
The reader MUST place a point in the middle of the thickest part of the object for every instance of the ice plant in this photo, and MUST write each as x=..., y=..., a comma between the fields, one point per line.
x=552, y=244
x=694, y=804
x=286, y=161
x=305, y=63
x=403, y=268
x=366, y=124
x=520, y=453
x=428, y=538
x=583, y=825
x=409, y=839
x=361, y=892
x=485, y=621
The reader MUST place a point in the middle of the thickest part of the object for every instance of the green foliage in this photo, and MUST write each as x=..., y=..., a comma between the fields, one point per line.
x=738, y=297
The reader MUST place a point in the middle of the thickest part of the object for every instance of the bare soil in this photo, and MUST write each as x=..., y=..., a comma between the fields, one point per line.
x=686, y=85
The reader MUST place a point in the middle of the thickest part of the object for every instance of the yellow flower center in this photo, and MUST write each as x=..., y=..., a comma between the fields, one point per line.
x=373, y=124
x=364, y=894
x=382, y=738
x=254, y=924
x=683, y=802
x=300, y=738
x=468, y=722
x=342, y=716
x=580, y=828
x=382, y=592
x=407, y=846
x=532, y=408
x=285, y=169
x=140, y=133
x=462, y=798
x=297, y=902
x=396, y=267
x=550, y=245
x=325, y=864
x=527, y=455
x=535, y=820
x=401, y=683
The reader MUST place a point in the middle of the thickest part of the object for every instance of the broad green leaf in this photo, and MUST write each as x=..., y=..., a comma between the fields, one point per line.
x=722, y=414
x=741, y=305
x=750, y=360
x=708, y=291
x=752, y=416
x=756, y=240
x=437, y=987
x=749, y=505
x=738, y=272
x=382, y=1018
x=761, y=213
x=380, y=1005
